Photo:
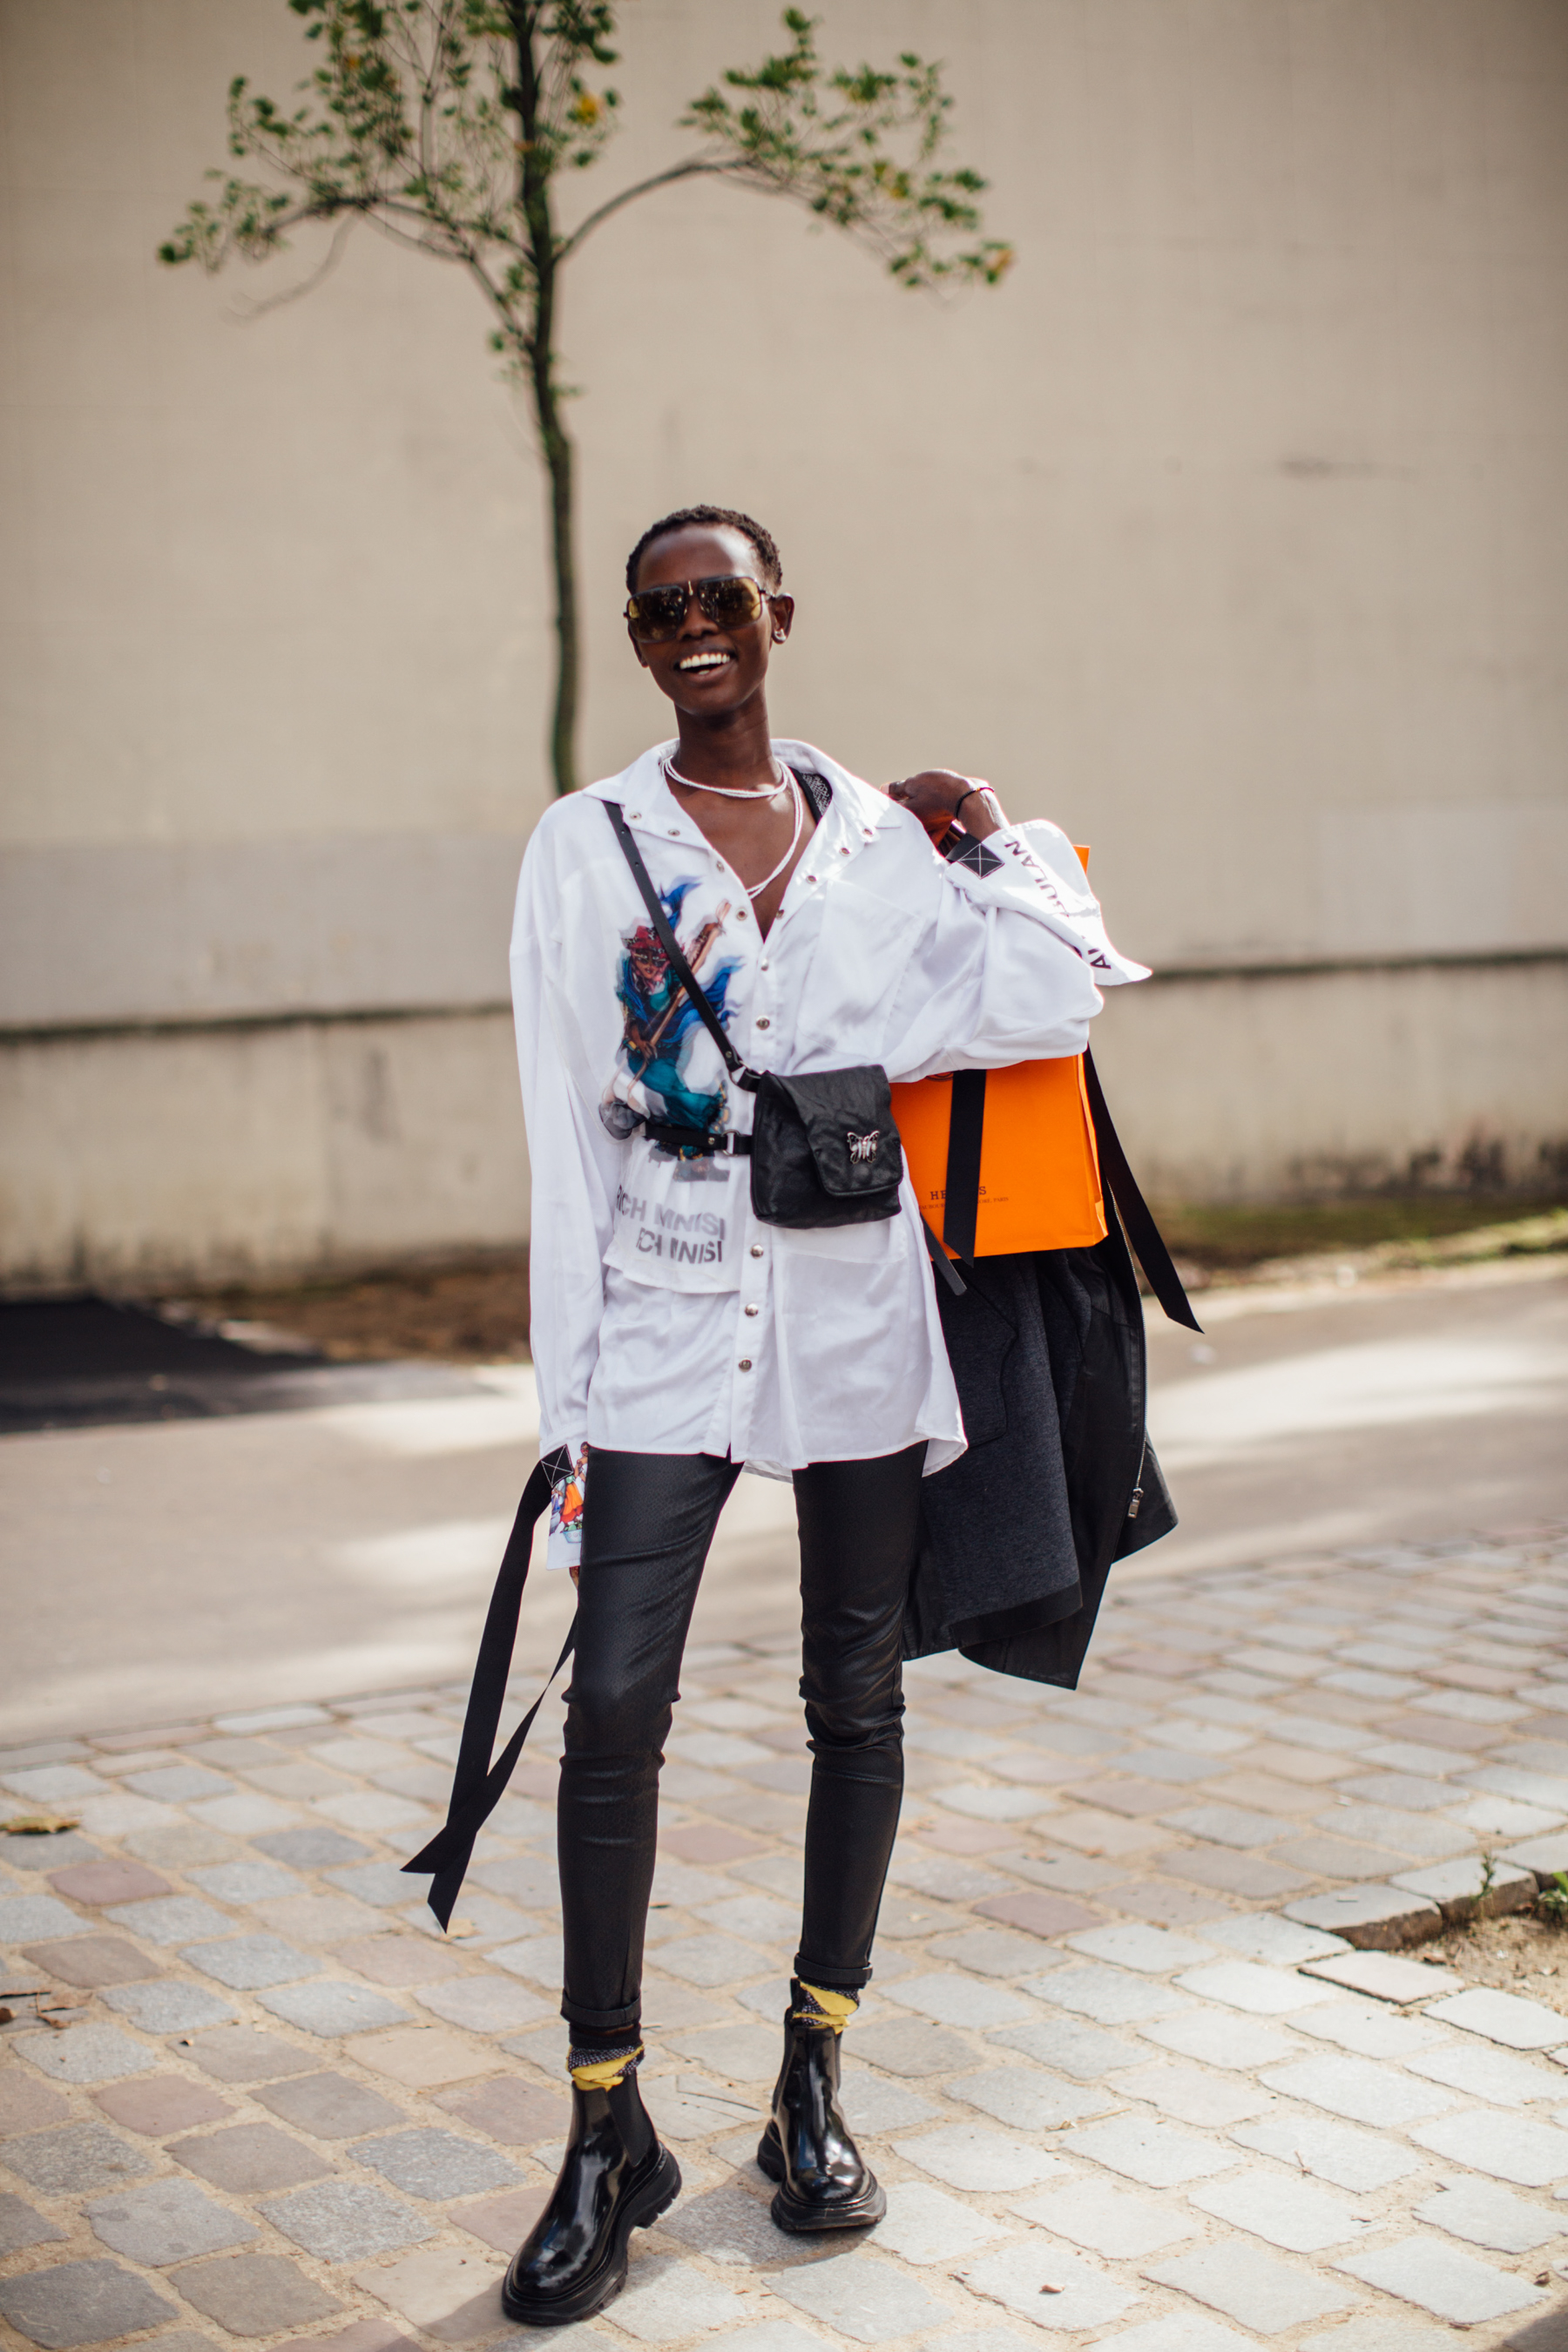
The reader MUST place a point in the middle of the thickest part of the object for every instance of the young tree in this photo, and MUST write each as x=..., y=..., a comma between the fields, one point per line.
x=446, y=125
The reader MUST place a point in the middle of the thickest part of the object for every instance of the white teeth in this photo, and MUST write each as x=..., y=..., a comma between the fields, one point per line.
x=703, y=661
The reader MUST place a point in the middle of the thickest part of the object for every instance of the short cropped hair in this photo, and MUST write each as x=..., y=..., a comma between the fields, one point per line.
x=683, y=517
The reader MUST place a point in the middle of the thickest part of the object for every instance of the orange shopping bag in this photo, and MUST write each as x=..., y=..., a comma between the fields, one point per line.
x=1005, y=1160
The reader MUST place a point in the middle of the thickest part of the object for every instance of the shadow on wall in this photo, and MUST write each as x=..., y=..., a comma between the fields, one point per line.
x=1489, y=1168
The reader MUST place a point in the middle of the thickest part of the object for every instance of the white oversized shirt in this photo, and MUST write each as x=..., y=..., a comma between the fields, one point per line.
x=665, y=1318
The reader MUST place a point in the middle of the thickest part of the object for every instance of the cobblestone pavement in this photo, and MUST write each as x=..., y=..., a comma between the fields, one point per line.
x=1151, y=2059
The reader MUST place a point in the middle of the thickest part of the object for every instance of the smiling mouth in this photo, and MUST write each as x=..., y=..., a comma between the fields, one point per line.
x=696, y=662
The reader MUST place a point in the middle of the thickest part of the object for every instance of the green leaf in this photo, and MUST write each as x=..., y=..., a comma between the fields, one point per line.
x=855, y=147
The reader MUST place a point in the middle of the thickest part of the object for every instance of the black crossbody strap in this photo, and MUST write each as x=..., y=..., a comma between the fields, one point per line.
x=671, y=946
x=477, y=1784
x=1141, y=1231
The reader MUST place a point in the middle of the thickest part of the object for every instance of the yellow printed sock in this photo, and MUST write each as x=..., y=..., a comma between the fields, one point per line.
x=601, y=2070
x=825, y=2007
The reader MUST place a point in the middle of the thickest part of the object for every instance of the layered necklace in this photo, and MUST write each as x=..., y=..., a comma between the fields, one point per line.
x=785, y=779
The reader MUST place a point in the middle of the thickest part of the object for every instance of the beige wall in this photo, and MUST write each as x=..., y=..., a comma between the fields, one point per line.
x=1231, y=532
x=135, y=1160
x=1404, y=1076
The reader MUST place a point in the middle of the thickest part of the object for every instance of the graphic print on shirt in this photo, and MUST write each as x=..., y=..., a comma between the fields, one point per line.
x=660, y=1025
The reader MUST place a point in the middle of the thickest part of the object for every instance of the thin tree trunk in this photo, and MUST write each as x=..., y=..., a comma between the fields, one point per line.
x=556, y=442
x=559, y=455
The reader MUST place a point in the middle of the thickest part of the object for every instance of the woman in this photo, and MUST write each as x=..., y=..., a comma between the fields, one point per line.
x=679, y=1339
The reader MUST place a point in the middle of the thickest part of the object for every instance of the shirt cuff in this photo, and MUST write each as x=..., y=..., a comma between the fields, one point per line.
x=1009, y=864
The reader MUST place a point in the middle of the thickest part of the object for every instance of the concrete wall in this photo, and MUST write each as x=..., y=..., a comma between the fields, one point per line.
x=143, y=1158
x=1231, y=532
x=1235, y=1086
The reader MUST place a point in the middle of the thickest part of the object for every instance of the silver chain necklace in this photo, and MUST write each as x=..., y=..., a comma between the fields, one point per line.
x=754, y=889
x=787, y=782
x=732, y=792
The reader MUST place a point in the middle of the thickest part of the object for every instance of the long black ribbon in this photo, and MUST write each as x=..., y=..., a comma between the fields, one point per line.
x=1141, y=1231
x=478, y=1785
x=965, y=1141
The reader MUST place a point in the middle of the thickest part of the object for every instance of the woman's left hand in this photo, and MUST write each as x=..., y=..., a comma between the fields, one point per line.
x=934, y=795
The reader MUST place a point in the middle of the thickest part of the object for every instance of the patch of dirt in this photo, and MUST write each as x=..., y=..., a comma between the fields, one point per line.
x=1223, y=1241
x=472, y=1311
x=1518, y=1953
x=475, y=1310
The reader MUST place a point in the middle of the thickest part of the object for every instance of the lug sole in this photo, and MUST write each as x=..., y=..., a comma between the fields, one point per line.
x=799, y=2220
x=640, y=2211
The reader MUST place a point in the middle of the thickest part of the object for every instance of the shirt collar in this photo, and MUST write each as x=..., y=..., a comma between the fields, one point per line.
x=642, y=792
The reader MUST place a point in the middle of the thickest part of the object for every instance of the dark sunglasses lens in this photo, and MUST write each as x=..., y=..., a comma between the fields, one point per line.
x=729, y=602
x=657, y=613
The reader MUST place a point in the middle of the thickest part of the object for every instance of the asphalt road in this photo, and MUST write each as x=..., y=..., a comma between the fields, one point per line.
x=195, y=1566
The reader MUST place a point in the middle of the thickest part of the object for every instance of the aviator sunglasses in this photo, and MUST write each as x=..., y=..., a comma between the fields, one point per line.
x=656, y=616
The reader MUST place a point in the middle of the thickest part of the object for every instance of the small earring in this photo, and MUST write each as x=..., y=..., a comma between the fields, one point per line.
x=778, y=636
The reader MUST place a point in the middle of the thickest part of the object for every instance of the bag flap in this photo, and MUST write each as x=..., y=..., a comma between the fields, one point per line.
x=848, y=1116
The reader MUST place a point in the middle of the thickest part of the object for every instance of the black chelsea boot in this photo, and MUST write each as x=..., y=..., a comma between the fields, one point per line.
x=824, y=2181
x=615, y=2178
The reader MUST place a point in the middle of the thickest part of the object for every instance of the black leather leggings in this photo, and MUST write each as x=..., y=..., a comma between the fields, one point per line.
x=649, y=1519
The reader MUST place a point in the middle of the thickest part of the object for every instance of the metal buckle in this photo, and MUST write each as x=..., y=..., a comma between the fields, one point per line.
x=710, y=1145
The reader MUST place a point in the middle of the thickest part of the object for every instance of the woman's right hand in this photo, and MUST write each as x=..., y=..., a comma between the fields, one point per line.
x=934, y=796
